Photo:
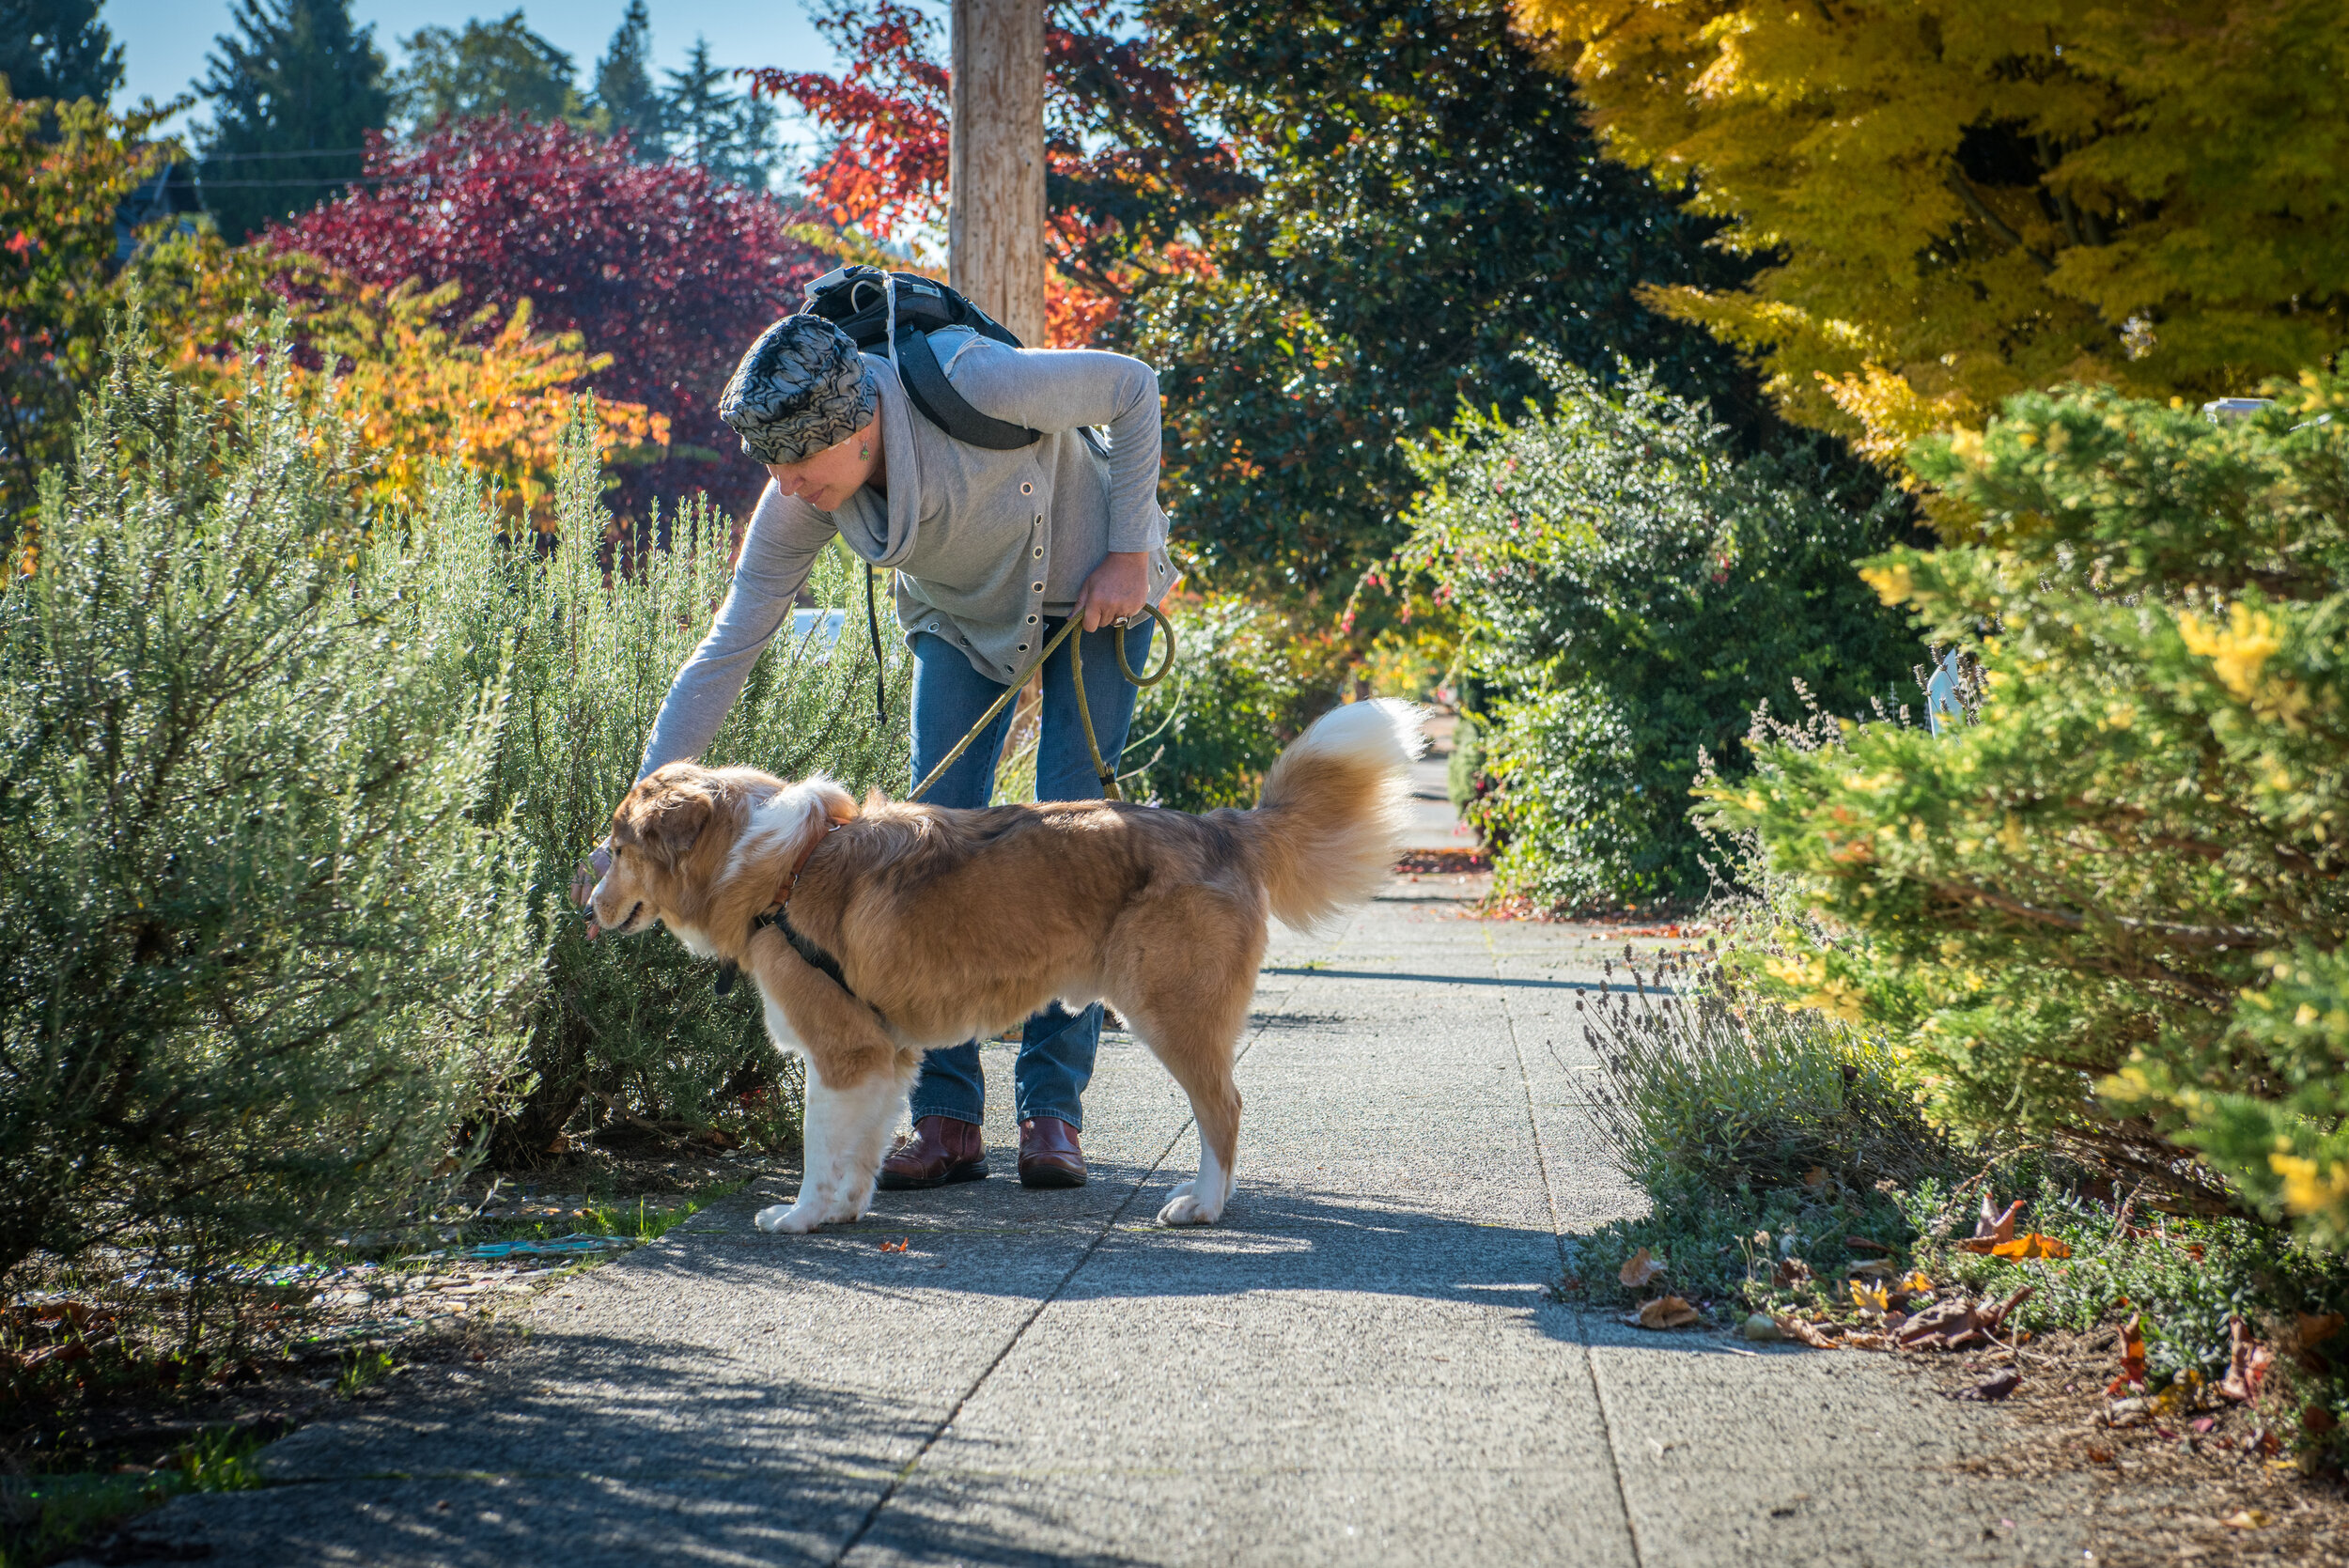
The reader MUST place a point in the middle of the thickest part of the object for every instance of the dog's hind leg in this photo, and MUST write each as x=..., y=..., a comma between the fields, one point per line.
x=1193, y=960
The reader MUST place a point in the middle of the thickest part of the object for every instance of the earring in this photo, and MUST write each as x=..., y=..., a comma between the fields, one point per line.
x=863, y=452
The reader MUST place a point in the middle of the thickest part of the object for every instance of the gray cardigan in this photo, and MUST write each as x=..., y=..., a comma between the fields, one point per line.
x=985, y=544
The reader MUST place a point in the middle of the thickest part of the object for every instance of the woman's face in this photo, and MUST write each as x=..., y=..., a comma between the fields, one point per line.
x=826, y=479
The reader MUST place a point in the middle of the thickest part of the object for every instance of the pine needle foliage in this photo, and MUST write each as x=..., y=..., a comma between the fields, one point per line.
x=266, y=945
x=2110, y=911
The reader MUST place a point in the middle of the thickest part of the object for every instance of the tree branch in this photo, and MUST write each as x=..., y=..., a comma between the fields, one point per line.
x=1991, y=221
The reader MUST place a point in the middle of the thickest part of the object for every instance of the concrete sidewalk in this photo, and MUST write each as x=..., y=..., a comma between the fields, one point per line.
x=1363, y=1363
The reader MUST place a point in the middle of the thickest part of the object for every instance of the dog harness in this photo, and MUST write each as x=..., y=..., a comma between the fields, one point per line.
x=778, y=915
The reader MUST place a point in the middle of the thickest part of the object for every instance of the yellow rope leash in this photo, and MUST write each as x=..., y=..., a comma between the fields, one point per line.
x=1107, y=774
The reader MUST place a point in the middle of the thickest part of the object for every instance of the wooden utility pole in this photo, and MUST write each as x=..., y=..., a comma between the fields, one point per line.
x=995, y=167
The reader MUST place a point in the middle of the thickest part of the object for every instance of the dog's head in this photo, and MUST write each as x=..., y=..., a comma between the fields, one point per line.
x=657, y=839
x=673, y=842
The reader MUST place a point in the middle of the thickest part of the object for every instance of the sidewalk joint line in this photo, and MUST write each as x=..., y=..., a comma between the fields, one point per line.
x=888, y=1490
x=1557, y=1234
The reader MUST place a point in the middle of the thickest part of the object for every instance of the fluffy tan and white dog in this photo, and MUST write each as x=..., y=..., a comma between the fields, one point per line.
x=945, y=926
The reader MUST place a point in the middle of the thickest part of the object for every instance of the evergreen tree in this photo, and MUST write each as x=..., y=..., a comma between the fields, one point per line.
x=57, y=49
x=731, y=134
x=625, y=96
x=494, y=68
x=295, y=92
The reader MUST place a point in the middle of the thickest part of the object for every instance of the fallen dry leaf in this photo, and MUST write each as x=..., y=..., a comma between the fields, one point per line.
x=1804, y=1333
x=2314, y=1330
x=1916, y=1284
x=1640, y=1270
x=1994, y=1226
x=1874, y=1268
x=2132, y=1355
x=896, y=1246
x=1665, y=1312
x=1863, y=1241
x=1870, y=1297
x=1793, y=1271
x=1993, y=1387
x=2247, y=1361
x=2246, y=1518
x=2031, y=1246
x=1866, y=1342
x=2099, y=1457
x=1815, y=1177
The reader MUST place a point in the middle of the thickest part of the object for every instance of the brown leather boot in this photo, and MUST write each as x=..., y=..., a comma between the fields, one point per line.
x=1049, y=1155
x=941, y=1149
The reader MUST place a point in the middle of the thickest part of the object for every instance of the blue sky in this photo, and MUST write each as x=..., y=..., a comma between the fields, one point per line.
x=165, y=41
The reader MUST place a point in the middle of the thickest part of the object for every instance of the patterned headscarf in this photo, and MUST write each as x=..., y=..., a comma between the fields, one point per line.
x=801, y=387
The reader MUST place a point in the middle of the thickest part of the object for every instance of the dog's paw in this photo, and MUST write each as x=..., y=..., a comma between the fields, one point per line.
x=1185, y=1209
x=787, y=1219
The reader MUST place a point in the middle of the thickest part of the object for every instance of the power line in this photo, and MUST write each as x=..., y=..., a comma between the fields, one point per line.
x=247, y=157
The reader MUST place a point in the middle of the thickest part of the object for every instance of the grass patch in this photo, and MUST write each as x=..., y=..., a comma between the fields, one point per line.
x=43, y=1517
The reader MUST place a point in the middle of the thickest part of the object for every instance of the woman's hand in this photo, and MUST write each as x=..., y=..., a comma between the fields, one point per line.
x=1119, y=587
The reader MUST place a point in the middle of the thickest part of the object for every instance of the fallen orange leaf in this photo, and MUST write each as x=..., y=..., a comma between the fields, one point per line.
x=2031, y=1246
x=2317, y=1330
x=1640, y=1270
x=1665, y=1312
x=896, y=1246
x=2132, y=1356
x=1815, y=1177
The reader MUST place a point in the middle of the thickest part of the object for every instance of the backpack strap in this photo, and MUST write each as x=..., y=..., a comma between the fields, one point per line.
x=925, y=383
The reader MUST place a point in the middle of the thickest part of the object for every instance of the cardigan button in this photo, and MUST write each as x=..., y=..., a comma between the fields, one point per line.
x=1032, y=620
x=1036, y=587
x=1037, y=552
x=1023, y=647
x=1026, y=489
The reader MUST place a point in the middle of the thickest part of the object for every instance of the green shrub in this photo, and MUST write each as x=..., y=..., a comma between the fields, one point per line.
x=267, y=943
x=1629, y=588
x=1705, y=1087
x=2109, y=912
x=631, y=1036
x=1245, y=684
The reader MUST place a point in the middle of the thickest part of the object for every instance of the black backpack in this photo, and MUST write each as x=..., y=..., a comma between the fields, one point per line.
x=856, y=298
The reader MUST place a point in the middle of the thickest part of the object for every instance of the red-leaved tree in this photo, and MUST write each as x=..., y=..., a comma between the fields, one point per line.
x=1127, y=171
x=662, y=267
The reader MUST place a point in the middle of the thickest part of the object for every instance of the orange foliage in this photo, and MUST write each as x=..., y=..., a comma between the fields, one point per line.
x=409, y=392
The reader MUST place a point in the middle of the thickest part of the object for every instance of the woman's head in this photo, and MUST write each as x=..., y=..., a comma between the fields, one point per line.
x=801, y=389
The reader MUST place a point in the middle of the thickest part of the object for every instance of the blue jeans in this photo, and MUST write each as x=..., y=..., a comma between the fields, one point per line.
x=1056, y=1046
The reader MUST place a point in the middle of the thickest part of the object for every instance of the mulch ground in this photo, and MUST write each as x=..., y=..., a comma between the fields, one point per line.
x=2166, y=1490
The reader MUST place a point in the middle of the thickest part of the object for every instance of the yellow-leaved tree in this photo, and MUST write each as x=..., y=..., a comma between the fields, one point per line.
x=1960, y=199
x=494, y=397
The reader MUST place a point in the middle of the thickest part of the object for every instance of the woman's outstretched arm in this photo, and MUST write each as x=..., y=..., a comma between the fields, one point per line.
x=778, y=552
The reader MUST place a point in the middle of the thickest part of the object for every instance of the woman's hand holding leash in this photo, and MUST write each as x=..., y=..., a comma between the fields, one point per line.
x=1117, y=589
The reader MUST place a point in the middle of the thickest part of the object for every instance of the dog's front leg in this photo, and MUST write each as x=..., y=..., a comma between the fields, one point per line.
x=855, y=1085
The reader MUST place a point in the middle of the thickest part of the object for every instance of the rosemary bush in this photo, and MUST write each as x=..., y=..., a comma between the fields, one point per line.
x=268, y=944
x=629, y=1035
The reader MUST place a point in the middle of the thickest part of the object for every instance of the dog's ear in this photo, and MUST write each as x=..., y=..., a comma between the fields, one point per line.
x=677, y=821
x=665, y=815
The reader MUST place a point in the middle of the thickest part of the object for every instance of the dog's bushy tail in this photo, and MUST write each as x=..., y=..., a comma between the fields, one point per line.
x=1330, y=819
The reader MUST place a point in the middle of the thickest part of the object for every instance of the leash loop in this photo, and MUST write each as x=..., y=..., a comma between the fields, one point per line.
x=1107, y=774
